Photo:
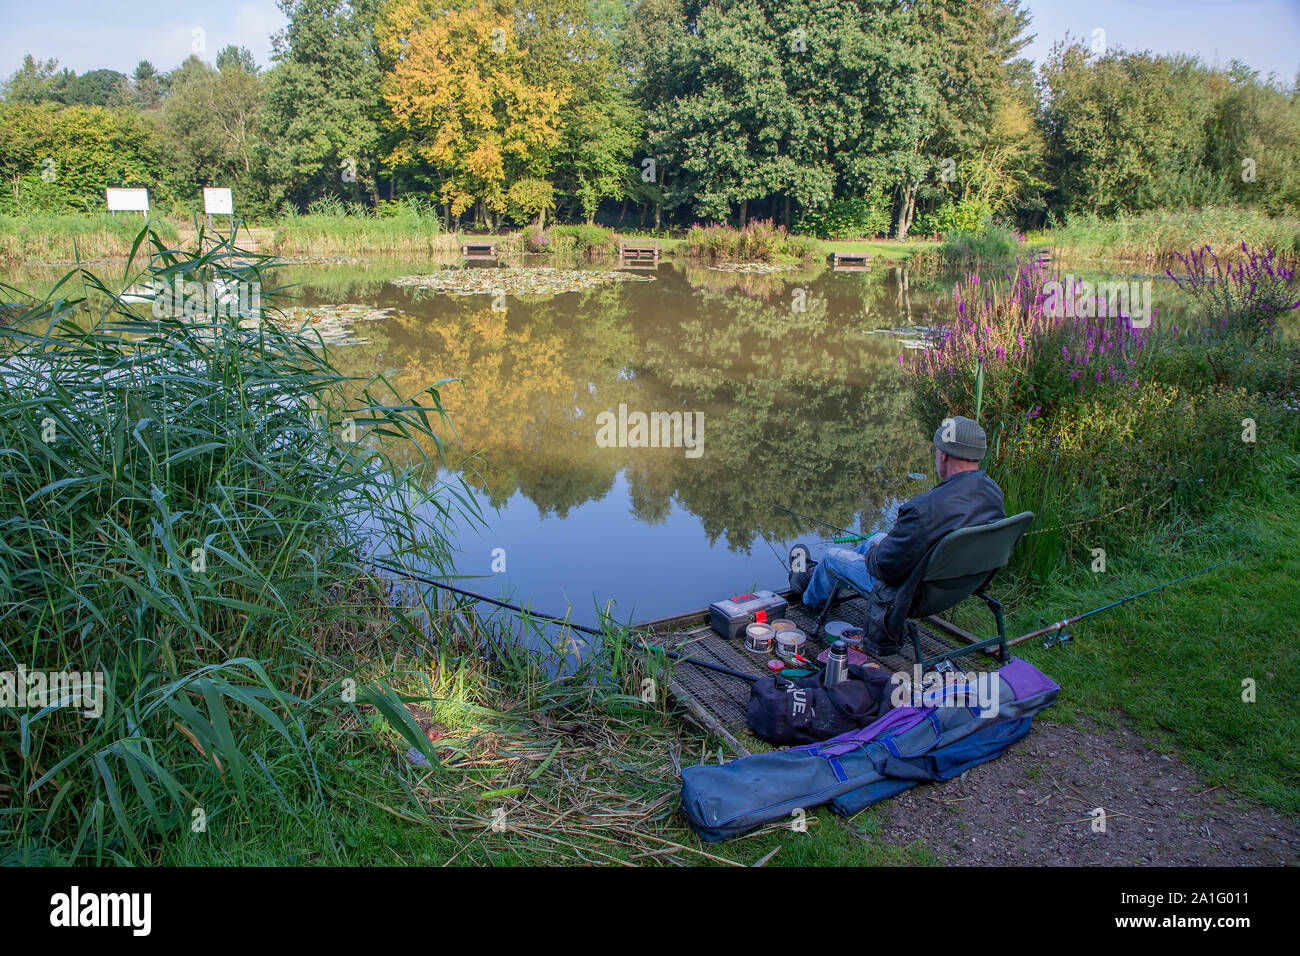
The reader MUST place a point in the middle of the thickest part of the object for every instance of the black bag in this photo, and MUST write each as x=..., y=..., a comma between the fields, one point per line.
x=879, y=617
x=802, y=711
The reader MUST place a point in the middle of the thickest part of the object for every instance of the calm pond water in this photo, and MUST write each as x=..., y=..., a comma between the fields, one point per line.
x=796, y=390
x=792, y=377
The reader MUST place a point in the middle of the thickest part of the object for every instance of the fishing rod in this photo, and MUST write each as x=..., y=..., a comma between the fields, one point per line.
x=673, y=655
x=1060, y=625
x=827, y=524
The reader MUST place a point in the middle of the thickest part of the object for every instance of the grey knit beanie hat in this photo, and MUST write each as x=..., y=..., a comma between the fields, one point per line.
x=961, y=438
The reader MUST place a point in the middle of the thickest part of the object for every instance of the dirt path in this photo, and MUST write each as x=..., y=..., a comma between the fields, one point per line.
x=1033, y=805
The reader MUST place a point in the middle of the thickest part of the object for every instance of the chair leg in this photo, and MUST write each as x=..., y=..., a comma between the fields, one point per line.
x=826, y=610
x=996, y=607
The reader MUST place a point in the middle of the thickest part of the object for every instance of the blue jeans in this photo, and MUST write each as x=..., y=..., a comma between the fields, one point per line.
x=850, y=567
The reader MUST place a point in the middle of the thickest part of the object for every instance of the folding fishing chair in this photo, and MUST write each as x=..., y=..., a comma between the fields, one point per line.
x=961, y=564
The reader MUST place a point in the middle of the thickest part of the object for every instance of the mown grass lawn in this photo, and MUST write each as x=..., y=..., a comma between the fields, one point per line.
x=884, y=249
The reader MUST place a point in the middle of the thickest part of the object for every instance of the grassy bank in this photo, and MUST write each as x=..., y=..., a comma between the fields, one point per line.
x=881, y=250
x=1174, y=664
x=1155, y=238
x=64, y=237
x=331, y=229
x=531, y=769
x=1145, y=454
x=410, y=229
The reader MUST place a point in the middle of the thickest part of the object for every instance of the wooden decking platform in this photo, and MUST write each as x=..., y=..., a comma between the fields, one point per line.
x=851, y=261
x=638, y=255
x=717, y=702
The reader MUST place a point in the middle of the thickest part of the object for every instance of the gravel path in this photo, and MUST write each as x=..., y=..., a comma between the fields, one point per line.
x=1033, y=805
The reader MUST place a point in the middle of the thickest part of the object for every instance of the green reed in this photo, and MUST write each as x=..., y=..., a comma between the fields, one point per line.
x=185, y=506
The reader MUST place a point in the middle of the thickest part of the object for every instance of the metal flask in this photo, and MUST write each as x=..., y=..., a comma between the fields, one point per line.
x=837, y=664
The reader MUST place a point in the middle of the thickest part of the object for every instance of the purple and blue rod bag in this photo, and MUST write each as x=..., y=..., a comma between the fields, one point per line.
x=945, y=736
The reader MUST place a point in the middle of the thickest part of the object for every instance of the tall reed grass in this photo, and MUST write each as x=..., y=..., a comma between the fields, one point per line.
x=331, y=227
x=1157, y=237
x=759, y=241
x=65, y=237
x=186, y=502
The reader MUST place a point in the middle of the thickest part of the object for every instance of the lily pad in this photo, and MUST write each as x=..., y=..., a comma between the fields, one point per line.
x=753, y=268
x=334, y=323
x=515, y=281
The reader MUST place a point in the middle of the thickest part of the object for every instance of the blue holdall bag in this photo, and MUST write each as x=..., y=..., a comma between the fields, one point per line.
x=941, y=735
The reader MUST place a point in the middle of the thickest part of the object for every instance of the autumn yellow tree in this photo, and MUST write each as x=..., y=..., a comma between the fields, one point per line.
x=459, y=101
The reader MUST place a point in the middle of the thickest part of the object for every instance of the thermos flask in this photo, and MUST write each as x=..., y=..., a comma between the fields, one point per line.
x=837, y=664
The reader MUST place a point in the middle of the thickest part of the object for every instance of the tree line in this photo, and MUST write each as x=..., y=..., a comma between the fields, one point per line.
x=833, y=116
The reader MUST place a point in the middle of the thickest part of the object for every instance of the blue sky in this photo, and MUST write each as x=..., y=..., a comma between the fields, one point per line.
x=85, y=34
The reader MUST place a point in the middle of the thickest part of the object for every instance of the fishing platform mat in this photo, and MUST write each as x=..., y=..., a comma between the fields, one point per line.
x=717, y=702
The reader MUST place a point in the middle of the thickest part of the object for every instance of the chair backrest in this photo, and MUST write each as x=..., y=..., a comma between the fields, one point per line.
x=964, y=561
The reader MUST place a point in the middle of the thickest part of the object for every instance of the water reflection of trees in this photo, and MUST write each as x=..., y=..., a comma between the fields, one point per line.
x=801, y=407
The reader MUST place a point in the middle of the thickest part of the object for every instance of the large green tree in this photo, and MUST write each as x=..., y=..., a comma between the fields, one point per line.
x=60, y=159
x=573, y=46
x=1127, y=131
x=320, y=133
x=967, y=51
x=210, y=117
x=759, y=99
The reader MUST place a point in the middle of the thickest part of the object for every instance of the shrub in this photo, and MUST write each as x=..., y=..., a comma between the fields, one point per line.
x=592, y=241
x=759, y=241
x=1121, y=456
x=991, y=243
x=1004, y=350
x=528, y=199
x=1242, y=302
x=963, y=216
x=853, y=217
x=1091, y=419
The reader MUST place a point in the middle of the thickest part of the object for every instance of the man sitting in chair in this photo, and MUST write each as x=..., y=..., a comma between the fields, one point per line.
x=881, y=568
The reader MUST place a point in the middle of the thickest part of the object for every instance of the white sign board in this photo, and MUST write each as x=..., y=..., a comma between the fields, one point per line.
x=127, y=200
x=218, y=202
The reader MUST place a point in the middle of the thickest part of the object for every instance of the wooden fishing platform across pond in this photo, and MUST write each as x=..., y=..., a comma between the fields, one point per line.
x=851, y=261
x=638, y=255
x=716, y=702
x=486, y=249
